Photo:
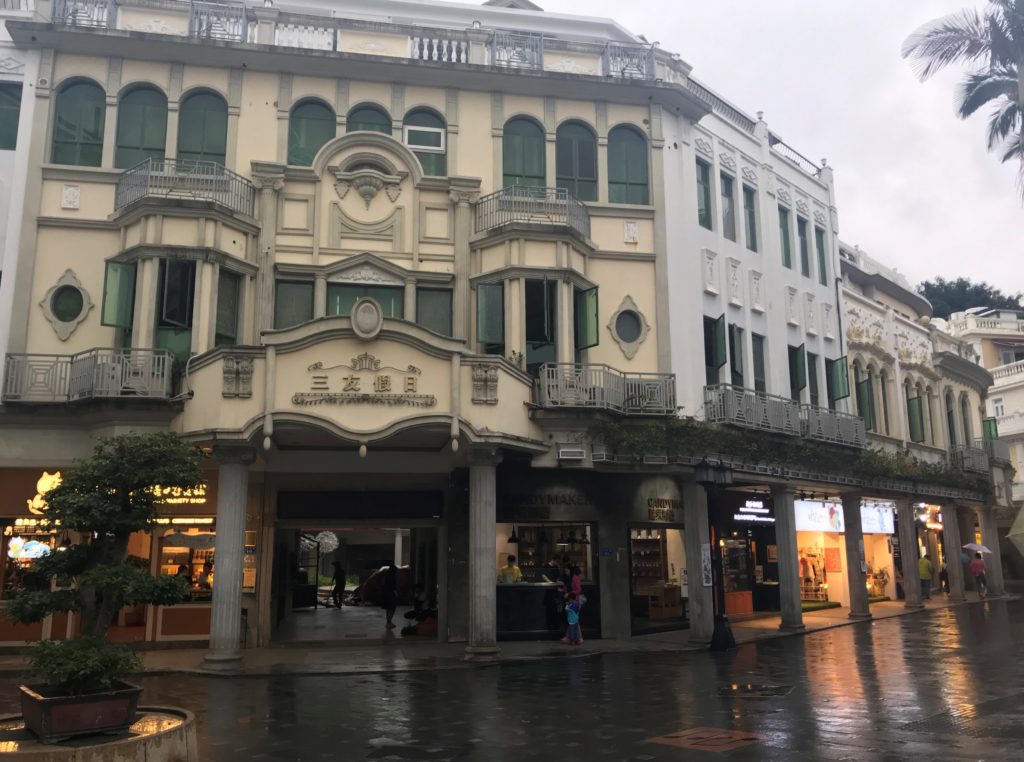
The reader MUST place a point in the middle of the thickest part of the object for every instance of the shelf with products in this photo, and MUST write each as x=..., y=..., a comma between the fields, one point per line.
x=189, y=553
x=541, y=544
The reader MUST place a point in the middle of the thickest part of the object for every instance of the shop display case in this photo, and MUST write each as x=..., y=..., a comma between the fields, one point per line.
x=189, y=553
x=540, y=544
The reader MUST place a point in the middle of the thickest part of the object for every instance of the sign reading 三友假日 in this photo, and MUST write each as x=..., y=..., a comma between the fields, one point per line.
x=364, y=381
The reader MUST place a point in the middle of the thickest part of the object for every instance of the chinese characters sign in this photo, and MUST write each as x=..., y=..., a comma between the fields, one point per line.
x=364, y=381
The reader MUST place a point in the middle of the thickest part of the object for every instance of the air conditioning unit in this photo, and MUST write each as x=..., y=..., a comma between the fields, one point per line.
x=571, y=452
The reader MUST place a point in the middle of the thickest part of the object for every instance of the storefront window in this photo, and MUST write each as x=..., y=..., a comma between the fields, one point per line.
x=188, y=551
x=543, y=551
x=658, y=580
x=23, y=542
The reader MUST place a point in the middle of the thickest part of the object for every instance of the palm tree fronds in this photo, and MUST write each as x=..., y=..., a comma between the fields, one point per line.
x=957, y=38
x=981, y=87
x=1003, y=122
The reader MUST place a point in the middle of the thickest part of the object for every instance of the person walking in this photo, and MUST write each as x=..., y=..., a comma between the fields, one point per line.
x=925, y=570
x=389, y=594
x=977, y=569
x=572, y=612
x=338, y=584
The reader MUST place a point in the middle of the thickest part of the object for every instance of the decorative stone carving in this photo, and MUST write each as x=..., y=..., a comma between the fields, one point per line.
x=367, y=273
x=630, y=232
x=784, y=195
x=801, y=206
x=728, y=160
x=71, y=197
x=367, y=318
x=912, y=348
x=735, y=290
x=152, y=26
x=634, y=320
x=792, y=308
x=826, y=321
x=810, y=315
x=710, y=269
x=485, y=384
x=819, y=217
x=368, y=182
x=11, y=65
x=704, y=146
x=66, y=304
x=864, y=328
x=237, y=376
x=749, y=174
x=568, y=66
x=756, y=292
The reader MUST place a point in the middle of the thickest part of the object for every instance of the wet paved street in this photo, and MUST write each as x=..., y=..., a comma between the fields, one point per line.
x=944, y=685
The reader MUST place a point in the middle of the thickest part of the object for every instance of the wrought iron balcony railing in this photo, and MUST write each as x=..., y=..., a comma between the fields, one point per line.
x=750, y=409
x=629, y=61
x=517, y=50
x=970, y=459
x=827, y=425
x=532, y=205
x=93, y=374
x=996, y=449
x=600, y=387
x=218, y=21
x=96, y=14
x=183, y=178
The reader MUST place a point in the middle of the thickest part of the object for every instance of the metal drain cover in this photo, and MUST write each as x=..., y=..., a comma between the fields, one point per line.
x=752, y=690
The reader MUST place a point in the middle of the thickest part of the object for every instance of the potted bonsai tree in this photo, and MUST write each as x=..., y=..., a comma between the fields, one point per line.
x=104, y=499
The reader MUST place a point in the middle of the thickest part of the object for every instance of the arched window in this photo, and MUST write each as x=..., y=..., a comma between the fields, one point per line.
x=310, y=125
x=576, y=160
x=425, y=133
x=951, y=420
x=965, y=415
x=203, y=128
x=628, y=181
x=368, y=119
x=522, y=152
x=141, y=127
x=78, y=125
x=883, y=384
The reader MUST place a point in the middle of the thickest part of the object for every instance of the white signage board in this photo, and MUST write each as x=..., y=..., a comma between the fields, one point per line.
x=877, y=518
x=816, y=516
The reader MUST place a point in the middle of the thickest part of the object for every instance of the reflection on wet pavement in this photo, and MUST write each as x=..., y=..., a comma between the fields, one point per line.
x=943, y=685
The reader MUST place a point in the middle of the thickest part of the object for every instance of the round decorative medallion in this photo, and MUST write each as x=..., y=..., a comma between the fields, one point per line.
x=367, y=318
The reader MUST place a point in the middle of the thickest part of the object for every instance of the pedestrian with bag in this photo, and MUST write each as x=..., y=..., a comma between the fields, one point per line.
x=925, y=570
x=574, y=635
x=977, y=568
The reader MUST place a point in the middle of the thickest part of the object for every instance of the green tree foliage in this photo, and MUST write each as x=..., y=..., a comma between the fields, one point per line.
x=106, y=497
x=992, y=45
x=949, y=296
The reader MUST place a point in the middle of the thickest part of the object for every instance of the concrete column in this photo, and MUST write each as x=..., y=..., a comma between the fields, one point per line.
x=268, y=183
x=463, y=231
x=855, y=575
x=144, y=318
x=951, y=537
x=226, y=616
x=994, y=560
x=789, y=566
x=909, y=554
x=319, y=295
x=482, y=556
x=409, y=301
x=566, y=344
x=696, y=535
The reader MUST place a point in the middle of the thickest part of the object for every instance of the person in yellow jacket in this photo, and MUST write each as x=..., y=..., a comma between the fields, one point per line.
x=925, y=570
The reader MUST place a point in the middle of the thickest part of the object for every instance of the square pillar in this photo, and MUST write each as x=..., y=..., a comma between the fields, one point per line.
x=483, y=554
x=226, y=615
x=908, y=554
x=966, y=522
x=783, y=498
x=993, y=560
x=954, y=550
x=696, y=537
x=855, y=574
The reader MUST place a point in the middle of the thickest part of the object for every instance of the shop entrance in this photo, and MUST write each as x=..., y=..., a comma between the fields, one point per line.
x=658, y=580
x=335, y=584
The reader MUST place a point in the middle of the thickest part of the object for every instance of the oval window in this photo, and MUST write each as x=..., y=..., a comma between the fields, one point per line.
x=628, y=326
x=66, y=304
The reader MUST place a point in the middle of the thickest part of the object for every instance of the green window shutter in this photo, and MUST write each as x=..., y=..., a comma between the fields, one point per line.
x=757, y=345
x=203, y=128
x=293, y=303
x=10, y=110
x=586, y=325
x=812, y=378
x=838, y=379
x=576, y=161
x=915, y=416
x=78, y=125
x=310, y=126
x=490, y=313
x=141, y=127
x=368, y=119
x=118, y=295
x=797, y=371
x=627, y=167
x=990, y=429
x=720, y=347
x=819, y=244
x=785, y=239
x=704, y=194
x=229, y=287
x=865, y=403
x=434, y=309
x=522, y=150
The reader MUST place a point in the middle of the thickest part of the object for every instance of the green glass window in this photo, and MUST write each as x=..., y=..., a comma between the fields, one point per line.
x=797, y=371
x=490, y=318
x=760, y=376
x=425, y=133
x=434, y=309
x=819, y=245
x=714, y=348
x=785, y=237
x=812, y=378
x=310, y=126
x=10, y=110
x=837, y=380
x=728, y=201
x=342, y=297
x=586, y=330
x=628, y=180
x=805, y=248
x=704, y=194
x=866, y=400
x=576, y=161
x=203, y=128
x=118, y=295
x=915, y=416
x=229, y=296
x=293, y=303
x=750, y=216
x=175, y=299
x=141, y=127
x=368, y=119
x=541, y=313
x=78, y=125
x=736, y=356
x=522, y=154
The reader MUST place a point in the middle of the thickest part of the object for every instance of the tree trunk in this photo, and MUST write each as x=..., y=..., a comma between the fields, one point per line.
x=100, y=606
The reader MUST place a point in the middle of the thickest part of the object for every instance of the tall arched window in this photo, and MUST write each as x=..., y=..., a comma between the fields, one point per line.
x=576, y=160
x=78, y=125
x=203, y=128
x=929, y=401
x=628, y=181
x=425, y=133
x=965, y=415
x=522, y=154
x=368, y=119
x=951, y=420
x=883, y=385
x=310, y=125
x=141, y=126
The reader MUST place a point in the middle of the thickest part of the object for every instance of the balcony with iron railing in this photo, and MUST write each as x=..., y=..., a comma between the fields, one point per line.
x=751, y=409
x=95, y=374
x=92, y=14
x=185, y=179
x=996, y=449
x=601, y=387
x=972, y=459
x=826, y=425
x=528, y=205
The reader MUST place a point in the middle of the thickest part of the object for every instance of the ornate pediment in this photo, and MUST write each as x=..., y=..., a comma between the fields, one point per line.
x=368, y=179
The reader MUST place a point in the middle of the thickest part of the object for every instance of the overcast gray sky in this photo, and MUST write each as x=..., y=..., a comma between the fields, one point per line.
x=916, y=187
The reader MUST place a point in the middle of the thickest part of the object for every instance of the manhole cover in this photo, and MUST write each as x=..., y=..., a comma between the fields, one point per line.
x=706, y=739
x=749, y=690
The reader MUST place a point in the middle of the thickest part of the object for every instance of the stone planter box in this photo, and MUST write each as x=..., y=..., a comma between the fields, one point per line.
x=58, y=718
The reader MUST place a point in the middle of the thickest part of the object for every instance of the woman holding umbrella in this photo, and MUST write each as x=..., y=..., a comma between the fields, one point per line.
x=977, y=568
